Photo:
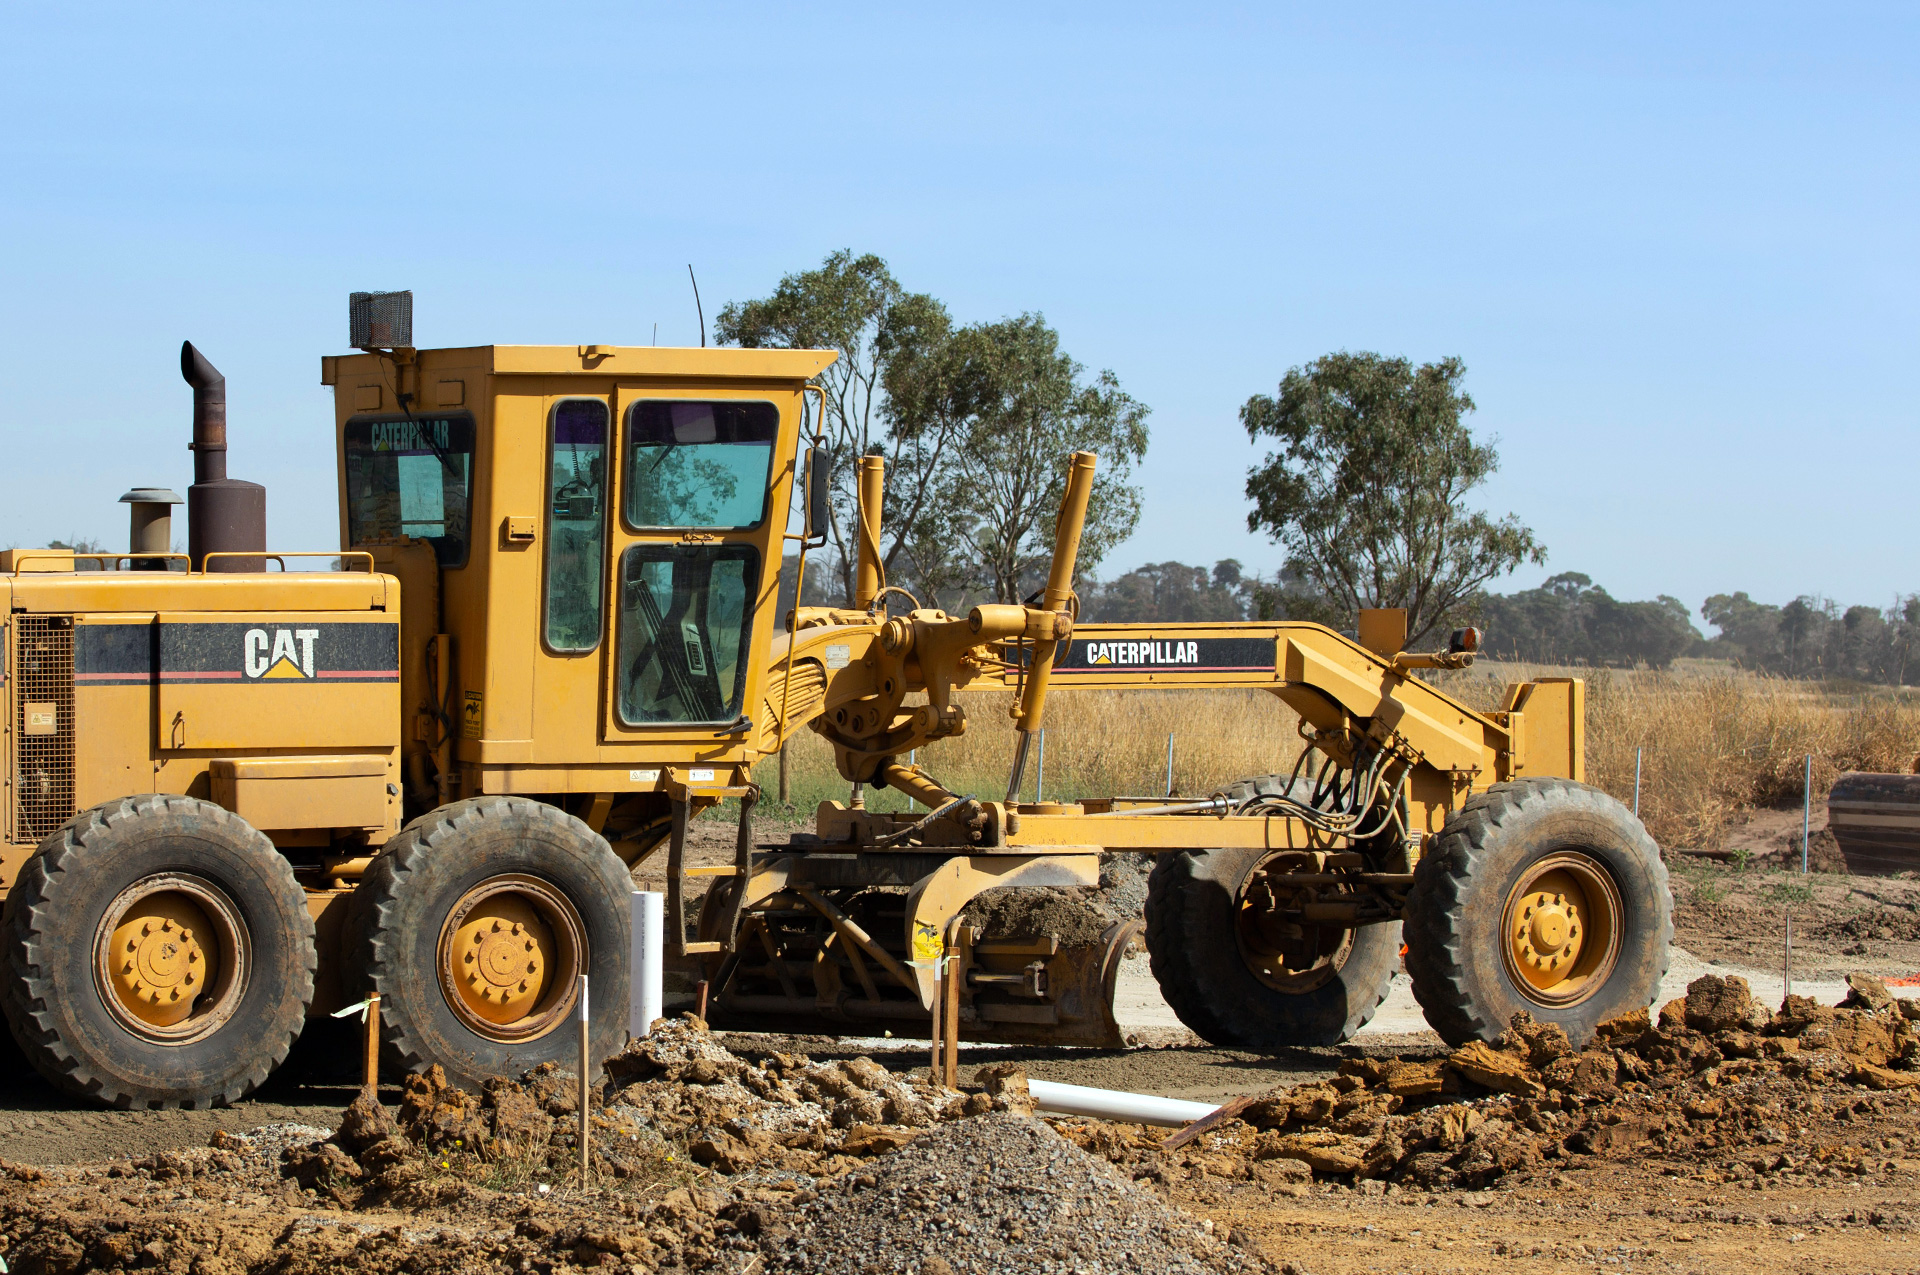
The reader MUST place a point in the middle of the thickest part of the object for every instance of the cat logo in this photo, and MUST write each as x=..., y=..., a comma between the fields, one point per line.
x=282, y=654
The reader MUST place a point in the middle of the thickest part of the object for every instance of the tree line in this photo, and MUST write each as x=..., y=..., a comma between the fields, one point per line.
x=1568, y=619
x=1367, y=488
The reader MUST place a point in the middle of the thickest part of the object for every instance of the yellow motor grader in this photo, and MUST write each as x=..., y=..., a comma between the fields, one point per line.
x=240, y=793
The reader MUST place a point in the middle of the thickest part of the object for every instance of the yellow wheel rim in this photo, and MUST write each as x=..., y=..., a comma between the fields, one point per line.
x=1561, y=929
x=1294, y=957
x=170, y=958
x=510, y=956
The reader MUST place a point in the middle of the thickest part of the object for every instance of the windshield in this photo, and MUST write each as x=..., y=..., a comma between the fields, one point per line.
x=699, y=464
x=411, y=478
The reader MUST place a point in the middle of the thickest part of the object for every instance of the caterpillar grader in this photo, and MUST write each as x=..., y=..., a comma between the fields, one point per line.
x=427, y=763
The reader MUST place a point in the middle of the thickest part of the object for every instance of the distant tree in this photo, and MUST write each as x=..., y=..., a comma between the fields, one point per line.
x=1367, y=489
x=81, y=545
x=1749, y=630
x=1013, y=405
x=854, y=305
x=1571, y=620
x=1172, y=592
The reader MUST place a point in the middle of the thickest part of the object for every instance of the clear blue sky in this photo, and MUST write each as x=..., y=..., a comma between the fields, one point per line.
x=1675, y=245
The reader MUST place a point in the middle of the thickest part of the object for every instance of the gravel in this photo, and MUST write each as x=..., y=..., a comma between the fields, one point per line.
x=1000, y=1193
x=1123, y=884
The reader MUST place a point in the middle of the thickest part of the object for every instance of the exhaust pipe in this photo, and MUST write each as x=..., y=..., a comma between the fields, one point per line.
x=224, y=515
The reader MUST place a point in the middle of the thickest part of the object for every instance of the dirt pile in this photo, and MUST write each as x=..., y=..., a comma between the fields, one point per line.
x=1002, y=1193
x=1716, y=1084
x=692, y=1148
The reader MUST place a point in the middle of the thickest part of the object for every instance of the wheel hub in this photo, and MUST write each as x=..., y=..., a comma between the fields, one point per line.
x=505, y=951
x=167, y=957
x=509, y=956
x=1562, y=927
x=1287, y=956
x=1549, y=931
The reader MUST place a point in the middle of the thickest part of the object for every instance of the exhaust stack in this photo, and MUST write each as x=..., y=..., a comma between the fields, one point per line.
x=224, y=515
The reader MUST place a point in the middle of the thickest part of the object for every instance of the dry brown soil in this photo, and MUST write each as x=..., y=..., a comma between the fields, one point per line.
x=1649, y=1212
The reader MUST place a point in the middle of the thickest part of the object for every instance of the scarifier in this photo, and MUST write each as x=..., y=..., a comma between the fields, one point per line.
x=427, y=763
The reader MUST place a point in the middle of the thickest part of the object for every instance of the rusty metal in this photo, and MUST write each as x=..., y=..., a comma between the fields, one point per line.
x=224, y=515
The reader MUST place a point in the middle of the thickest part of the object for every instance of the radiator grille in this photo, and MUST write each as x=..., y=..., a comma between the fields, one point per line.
x=801, y=703
x=43, y=724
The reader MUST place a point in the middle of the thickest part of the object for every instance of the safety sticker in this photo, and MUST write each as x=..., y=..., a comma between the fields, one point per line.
x=838, y=653
x=470, y=716
x=926, y=943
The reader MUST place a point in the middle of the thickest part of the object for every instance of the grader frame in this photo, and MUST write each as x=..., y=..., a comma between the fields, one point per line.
x=557, y=594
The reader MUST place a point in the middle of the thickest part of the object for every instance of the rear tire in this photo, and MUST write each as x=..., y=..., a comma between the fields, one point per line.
x=1542, y=895
x=1193, y=905
x=474, y=926
x=160, y=954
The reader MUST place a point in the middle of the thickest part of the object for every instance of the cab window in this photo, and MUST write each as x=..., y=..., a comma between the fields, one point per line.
x=576, y=523
x=684, y=613
x=698, y=464
x=411, y=477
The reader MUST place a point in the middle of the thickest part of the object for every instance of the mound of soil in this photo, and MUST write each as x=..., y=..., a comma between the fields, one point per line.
x=693, y=1150
x=1717, y=1081
x=1002, y=1193
x=1076, y=917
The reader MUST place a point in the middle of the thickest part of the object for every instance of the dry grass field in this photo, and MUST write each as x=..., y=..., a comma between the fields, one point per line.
x=1716, y=742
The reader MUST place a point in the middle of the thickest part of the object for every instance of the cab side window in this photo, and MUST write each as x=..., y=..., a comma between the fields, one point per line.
x=576, y=523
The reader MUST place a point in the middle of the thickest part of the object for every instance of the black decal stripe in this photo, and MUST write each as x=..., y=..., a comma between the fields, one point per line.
x=1211, y=655
x=213, y=653
x=113, y=654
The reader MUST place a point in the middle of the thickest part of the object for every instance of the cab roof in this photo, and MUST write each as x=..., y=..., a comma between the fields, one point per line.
x=724, y=363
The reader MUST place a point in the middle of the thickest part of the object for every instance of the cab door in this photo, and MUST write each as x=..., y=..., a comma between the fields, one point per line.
x=704, y=474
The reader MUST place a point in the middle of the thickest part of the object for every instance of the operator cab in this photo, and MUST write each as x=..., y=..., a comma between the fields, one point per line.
x=605, y=527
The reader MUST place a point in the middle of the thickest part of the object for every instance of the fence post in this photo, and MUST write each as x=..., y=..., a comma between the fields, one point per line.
x=1169, y=763
x=786, y=788
x=1806, y=816
x=1040, y=775
x=1636, y=782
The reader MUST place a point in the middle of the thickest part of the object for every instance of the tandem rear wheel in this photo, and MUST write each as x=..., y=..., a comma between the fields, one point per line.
x=1235, y=976
x=474, y=926
x=160, y=954
x=1238, y=980
x=1543, y=895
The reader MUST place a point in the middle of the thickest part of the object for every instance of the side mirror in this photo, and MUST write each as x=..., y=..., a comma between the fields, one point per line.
x=816, y=508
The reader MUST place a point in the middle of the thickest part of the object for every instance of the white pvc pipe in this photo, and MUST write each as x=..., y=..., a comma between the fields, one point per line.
x=649, y=961
x=1112, y=1104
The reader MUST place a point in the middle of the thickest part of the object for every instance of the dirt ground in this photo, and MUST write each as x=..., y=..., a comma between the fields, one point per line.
x=1651, y=1211
x=1734, y=911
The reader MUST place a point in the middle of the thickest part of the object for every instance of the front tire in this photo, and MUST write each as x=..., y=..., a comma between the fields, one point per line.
x=474, y=927
x=160, y=954
x=1542, y=895
x=1218, y=979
